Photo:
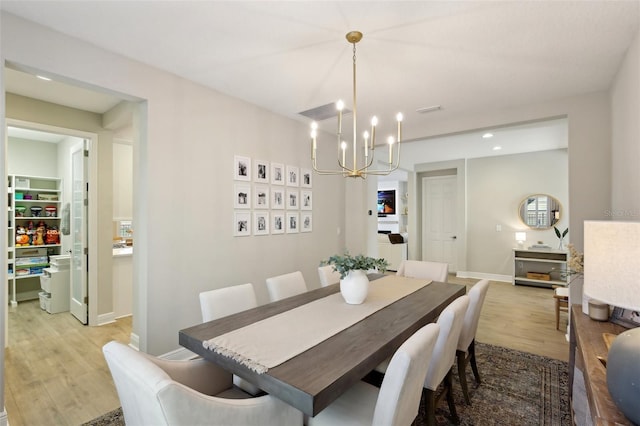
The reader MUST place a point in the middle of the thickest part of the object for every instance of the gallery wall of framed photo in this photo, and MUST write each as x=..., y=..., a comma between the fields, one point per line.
x=271, y=198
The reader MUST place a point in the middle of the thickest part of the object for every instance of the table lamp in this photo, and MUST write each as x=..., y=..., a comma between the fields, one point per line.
x=612, y=275
x=521, y=237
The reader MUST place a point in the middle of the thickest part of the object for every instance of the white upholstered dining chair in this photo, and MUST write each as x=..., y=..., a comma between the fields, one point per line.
x=444, y=355
x=155, y=391
x=328, y=275
x=466, y=351
x=222, y=302
x=436, y=271
x=287, y=285
x=398, y=399
x=225, y=301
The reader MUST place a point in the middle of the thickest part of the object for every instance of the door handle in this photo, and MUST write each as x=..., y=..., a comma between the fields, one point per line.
x=454, y=237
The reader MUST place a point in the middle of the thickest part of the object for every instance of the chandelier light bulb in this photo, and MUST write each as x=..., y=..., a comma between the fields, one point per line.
x=340, y=105
x=399, y=117
x=374, y=121
x=390, y=140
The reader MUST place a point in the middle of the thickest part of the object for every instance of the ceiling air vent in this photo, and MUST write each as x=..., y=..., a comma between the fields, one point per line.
x=323, y=112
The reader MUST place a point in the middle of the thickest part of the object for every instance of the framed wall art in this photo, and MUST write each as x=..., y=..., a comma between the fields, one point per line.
x=625, y=317
x=306, y=200
x=261, y=223
x=277, y=222
x=277, y=174
x=292, y=176
x=242, y=224
x=277, y=198
x=293, y=202
x=292, y=222
x=242, y=196
x=261, y=197
x=306, y=222
x=241, y=168
x=306, y=178
x=261, y=171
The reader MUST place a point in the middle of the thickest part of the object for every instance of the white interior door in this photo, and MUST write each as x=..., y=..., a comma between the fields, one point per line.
x=79, y=240
x=439, y=216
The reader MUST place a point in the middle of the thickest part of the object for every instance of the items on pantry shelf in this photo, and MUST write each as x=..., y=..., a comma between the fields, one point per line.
x=36, y=211
x=20, y=211
x=33, y=235
x=50, y=211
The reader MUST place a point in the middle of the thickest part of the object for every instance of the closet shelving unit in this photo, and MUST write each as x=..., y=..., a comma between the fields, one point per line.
x=27, y=261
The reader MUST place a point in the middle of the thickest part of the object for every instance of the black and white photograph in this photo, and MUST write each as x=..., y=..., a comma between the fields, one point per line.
x=242, y=224
x=261, y=197
x=261, y=223
x=293, y=199
x=277, y=198
x=306, y=178
x=292, y=223
x=306, y=200
x=241, y=168
x=277, y=220
x=277, y=174
x=242, y=196
x=261, y=171
x=306, y=222
x=292, y=176
x=625, y=317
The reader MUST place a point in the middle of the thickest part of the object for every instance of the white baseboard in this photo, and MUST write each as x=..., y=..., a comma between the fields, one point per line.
x=106, y=318
x=484, y=276
x=180, y=354
x=134, y=341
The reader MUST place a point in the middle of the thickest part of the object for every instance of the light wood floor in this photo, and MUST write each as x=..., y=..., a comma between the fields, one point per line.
x=55, y=373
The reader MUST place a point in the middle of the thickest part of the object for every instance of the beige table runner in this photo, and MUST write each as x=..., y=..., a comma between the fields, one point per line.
x=274, y=340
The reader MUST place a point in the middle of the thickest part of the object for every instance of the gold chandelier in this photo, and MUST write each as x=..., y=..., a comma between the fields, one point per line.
x=358, y=168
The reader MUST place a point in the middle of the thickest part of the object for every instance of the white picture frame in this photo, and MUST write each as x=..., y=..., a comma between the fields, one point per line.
x=277, y=198
x=293, y=199
x=261, y=223
x=277, y=174
x=278, y=225
x=242, y=196
x=292, y=176
x=241, y=224
x=306, y=178
x=261, y=171
x=293, y=219
x=241, y=168
x=261, y=197
x=306, y=200
x=306, y=222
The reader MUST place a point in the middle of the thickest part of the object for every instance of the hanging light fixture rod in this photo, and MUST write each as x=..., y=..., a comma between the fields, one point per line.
x=358, y=168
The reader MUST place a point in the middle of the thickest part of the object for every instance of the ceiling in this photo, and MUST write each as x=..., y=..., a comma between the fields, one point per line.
x=291, y=56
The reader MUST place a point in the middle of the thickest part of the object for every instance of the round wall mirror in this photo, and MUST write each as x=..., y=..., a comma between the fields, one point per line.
x=540, y=211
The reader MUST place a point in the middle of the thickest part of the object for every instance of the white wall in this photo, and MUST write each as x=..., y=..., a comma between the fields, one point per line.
x=625, y=135
x=183, y=186
x=122, y=180
x=495, y=188
x=33, y=158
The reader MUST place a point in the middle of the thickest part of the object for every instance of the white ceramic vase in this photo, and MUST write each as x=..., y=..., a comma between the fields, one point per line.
x=354, y=287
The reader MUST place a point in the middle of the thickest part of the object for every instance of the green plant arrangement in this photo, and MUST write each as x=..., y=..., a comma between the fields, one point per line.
x=345, y=263
x=559, y=234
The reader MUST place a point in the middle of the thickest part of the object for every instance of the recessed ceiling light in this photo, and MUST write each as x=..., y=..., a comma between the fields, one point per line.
x=497, y=148
x=487, y=135
x=41, y=77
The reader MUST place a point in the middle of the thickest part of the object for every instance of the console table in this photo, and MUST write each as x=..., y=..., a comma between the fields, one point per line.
x=539, y=267
x=586, y=344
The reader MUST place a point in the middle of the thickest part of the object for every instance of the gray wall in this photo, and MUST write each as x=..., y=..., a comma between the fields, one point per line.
x=189, y=135
x=495, y=188
x=625, y=131
x=183, y=183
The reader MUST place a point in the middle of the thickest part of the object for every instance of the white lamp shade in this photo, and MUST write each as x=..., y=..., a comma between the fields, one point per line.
x=521, y=236
x=612, y=263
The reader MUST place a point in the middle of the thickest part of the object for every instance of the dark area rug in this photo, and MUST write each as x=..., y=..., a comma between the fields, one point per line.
x=517, y=389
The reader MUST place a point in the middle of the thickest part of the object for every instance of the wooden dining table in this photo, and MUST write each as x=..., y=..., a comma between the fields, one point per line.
x=313, y=379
